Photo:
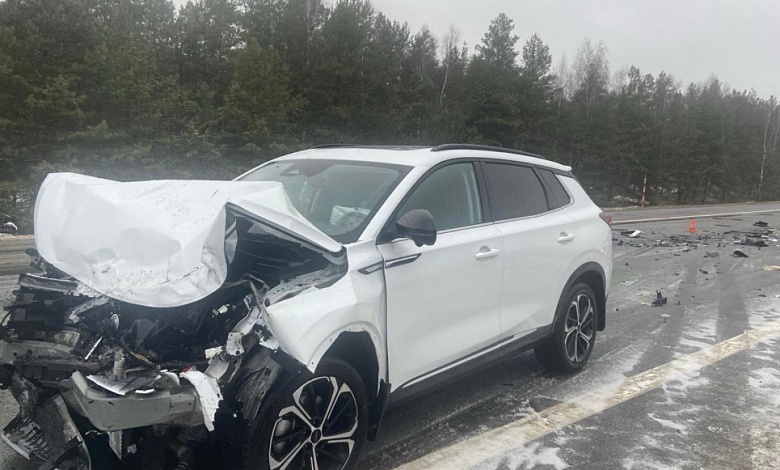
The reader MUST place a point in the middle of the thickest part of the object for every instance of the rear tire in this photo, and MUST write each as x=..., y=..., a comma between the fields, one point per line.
x=321, y=416
x=569, y=347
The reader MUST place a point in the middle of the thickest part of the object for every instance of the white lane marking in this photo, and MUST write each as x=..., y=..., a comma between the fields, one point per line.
x=686, y=217
x=493, y=443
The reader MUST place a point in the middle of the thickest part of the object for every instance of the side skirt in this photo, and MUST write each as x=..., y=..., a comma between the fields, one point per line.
x=453, y=370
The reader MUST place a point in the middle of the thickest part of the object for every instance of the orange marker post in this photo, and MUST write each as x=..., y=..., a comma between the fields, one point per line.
x=692, y=227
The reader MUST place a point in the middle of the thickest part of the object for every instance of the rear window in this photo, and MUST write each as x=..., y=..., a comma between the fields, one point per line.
x=514, y=191
x=559, y=195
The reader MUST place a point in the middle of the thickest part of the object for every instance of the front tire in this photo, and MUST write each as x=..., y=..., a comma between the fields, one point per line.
x=569, y=347
x=310, y=422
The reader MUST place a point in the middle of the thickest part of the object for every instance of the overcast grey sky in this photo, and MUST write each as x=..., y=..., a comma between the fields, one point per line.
x=739, y=41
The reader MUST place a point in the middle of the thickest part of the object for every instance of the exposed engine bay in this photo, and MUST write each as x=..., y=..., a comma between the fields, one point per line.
x=149, y=380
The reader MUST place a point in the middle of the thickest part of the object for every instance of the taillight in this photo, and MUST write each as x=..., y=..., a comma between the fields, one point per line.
x=606, y=218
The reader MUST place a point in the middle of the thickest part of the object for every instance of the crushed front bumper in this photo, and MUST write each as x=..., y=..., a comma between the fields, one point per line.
x=44, y=431
x=108, y=412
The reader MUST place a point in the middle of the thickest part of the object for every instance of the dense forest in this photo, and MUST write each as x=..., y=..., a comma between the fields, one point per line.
x=134, y=89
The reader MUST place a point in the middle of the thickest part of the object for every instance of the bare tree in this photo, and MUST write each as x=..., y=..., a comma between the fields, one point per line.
x=564, y=82
x=619, y=79
x=450, y=56
x=423, y=53
x=591, y=72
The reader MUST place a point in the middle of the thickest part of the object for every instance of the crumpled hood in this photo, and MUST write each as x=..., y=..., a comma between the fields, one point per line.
x=154, y=243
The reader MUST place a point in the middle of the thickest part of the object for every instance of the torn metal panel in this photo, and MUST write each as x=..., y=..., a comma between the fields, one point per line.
x=123, y=387
x=25, y=437
x=48, y=434
x=209, y=393
x=90, y=227
x=10, y=352
x=235, y=345
x=74, y=314
x=48, y=284
x=108, y=412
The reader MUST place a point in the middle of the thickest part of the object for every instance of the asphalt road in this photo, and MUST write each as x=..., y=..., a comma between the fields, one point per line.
x=13, y=259
x=722, y=411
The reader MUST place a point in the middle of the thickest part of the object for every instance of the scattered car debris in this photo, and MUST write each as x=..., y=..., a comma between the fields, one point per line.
x=659, y=299
x=757, y=242
x=772, y=268
x=761, y=223
x=712, y=254
x=703, y=271
x=631, y=233
x=762, y=295
x=739, y=254
x=665, y=316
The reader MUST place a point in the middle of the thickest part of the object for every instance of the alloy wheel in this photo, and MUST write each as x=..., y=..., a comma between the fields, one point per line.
x=317, y=432
x=580, y=326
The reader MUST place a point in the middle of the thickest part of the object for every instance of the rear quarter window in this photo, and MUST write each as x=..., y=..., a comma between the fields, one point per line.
x=514, y=191
x=559, y=196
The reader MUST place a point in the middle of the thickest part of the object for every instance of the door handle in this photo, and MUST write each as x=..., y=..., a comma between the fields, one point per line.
x=487, y=254
x=565, y=237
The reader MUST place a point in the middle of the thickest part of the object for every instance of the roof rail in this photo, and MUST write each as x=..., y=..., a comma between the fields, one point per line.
x=488, y=148
x=358, y=146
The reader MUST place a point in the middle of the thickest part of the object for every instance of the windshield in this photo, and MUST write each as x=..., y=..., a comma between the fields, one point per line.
x=338, y=197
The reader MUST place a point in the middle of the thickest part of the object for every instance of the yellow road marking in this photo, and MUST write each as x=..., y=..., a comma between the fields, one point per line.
x=496, y=442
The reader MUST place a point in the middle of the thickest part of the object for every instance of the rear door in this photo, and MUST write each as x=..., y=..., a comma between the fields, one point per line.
x=540, y=242
x=443, y=300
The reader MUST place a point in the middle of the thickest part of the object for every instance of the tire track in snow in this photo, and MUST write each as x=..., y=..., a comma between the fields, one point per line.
x=482, y=449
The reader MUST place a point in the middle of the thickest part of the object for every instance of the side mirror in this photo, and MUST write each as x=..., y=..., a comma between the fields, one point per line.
x=417, y=225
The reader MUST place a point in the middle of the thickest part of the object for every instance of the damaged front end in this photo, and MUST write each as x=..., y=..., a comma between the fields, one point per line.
x=151, y=381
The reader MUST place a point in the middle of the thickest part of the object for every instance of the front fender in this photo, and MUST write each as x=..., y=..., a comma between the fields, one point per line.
x=308, y=324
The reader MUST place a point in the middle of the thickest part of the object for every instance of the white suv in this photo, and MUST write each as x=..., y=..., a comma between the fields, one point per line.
x=285, y=311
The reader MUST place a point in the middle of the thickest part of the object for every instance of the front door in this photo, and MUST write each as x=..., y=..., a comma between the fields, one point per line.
x=443, y=300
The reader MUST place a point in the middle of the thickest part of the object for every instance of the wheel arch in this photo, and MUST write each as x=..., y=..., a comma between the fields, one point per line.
x=358, y=349
x=592, y=274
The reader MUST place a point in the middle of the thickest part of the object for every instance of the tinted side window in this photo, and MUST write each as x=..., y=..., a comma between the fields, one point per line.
x=450, y=194
x=560, y=197
x=514, y=191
